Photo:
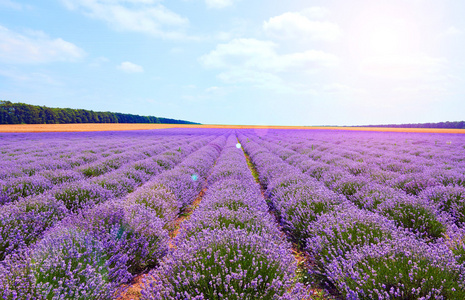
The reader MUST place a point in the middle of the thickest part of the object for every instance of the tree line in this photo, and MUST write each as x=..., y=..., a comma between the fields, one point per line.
x=448, y=125
x=22, y=113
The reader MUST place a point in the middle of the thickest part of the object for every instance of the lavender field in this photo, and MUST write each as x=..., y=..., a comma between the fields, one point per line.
x=232, y=214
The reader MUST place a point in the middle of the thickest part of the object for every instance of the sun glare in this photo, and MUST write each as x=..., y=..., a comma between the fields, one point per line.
x=385, y=41
x=380, y=33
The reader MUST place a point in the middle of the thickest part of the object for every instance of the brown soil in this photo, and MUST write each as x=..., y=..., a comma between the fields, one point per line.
x=133, y=291
x=185, y=215
x=119, y=127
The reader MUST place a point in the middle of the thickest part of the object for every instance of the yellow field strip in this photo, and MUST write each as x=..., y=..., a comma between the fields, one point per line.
x=120, y=126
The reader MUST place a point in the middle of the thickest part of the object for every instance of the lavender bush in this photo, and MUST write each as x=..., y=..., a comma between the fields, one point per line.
x=224, y=263
x=456, y=243
x=24, y=186
x=132, y=230
x=334, y=234
x=233, y=194
x=299, y=201
x=22, y=223
x=158, y=199
x=373, y=194
x=68, y=264
x=349, y=185
x=243, y=218
x=399, y=269
x=449, y=198
x=417, y=215
x=61, y=176
x=81, y=194
x=413, y=183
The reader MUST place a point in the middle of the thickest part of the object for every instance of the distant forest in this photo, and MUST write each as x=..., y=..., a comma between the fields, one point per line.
x=21, y=113
x=449, y=125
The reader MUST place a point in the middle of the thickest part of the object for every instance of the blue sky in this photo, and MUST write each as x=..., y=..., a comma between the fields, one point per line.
x=272, y=62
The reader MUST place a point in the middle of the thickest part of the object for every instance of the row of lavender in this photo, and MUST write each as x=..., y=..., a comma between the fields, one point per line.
x=89, y=253
x=25, y=220
x=89, y=159
x=231, y=247
x=425, y=201
x=400, y=247
x=27, y=154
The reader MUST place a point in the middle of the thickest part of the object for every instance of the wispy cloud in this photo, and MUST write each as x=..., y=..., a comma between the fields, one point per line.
x=342, y=89
x=99, y=61
x=257, y=62
x=453, y=31
x=35, y=47
x=403, y=67
x=145, y=16
x=315, y=12
x=130, y=67
x=262, y=55
x=13, y=5
x=26, y=79
x=298, y=26
x=219, y=4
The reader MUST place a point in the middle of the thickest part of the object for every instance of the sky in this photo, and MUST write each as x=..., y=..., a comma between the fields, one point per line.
x=239, y=62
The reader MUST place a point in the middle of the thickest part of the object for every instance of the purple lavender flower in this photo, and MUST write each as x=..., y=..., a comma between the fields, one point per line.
x=118, y=183
x=81, y=194
x=417, y=215
x=24, y=186
x=301, y=203
x=349, y=185
x=456, y=242
x=158, y=199
x=249, y=220
x=148, y=166
x=403, y=268
x=413, y=183
x=131, y=229
x=449, y=198
x=373, y=194
x=24, y=222
x=61, y=176
x=334, y=234
x=67, y=264
x=224, y=263
x=233, y=194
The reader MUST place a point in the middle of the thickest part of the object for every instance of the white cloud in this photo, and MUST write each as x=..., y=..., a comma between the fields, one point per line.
x=421, y=89
x=13, y=5
x=403, y=67
x=29, y=78
x=315, y=12
x=219, y=3
x=35, y=47
x=177, y=50
x=342, y=89
x=261, y=55
x=130, y=67
x=146, y=16
x=99, y=61
x=453, y=31
x=297, y=26
x=256, y=62
x=212, y=89
x=260, y=79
